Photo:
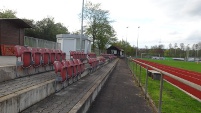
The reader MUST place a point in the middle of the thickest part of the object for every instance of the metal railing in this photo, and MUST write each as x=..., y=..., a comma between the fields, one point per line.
x=188, y=83
x=35, y=42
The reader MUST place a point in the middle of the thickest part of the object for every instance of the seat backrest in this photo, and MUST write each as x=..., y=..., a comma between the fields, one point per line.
x=58, y=54
x=71, y=63
x=36, y=54
x=65, y=63
x=25, y=54
x=57, y=66
x=63, y=54
x=75, y=62
x=52, y=56
x=79, y=61
x=45, y=55
x=71, y=53
x=19, y=50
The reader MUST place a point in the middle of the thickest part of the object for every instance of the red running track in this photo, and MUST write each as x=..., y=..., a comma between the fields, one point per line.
x=191, y=76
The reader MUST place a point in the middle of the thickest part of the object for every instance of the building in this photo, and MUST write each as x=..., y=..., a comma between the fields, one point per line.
x=71, y=42
x=11, y=34
x=116, y=51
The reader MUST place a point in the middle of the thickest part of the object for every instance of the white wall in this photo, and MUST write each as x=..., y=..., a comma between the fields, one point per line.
x=68, y=45
x=70, y=42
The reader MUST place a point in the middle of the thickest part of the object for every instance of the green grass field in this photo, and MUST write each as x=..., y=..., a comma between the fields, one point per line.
x=174, y=100
x=193, y=66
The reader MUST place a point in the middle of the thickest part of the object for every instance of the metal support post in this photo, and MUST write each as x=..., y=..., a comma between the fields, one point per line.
x=133, y=67
x=136, y=69
x=161, y=93
x=146, y=82
x=140, y=75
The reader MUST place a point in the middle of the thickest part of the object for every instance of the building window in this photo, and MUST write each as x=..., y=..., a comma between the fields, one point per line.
x=113, y=51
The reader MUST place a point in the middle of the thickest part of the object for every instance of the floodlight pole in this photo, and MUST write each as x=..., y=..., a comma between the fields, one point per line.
x=81, y=34
x=137, y=41
x=126, y=40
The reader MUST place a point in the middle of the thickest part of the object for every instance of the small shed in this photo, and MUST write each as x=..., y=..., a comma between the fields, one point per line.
x=11, y=34
x=117, y=51
x=71, y=42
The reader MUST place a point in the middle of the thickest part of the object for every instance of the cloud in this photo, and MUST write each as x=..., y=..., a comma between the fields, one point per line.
x=180, y=9
x=192, y=8
x=194, y=36
x=174, y=33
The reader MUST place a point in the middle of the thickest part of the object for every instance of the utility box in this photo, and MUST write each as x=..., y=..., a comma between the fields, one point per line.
x=71, y=42
x=155, y=75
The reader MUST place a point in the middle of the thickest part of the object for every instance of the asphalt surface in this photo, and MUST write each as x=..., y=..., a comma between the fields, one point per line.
x=120, y=94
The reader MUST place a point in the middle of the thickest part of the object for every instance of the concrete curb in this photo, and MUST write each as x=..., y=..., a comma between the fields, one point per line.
x=83, y=105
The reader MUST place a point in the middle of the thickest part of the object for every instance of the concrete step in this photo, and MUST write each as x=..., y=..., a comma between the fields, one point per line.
x=77, y=97
x=18, y=94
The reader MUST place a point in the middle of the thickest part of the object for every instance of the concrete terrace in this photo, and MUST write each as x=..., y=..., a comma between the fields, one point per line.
x=36, y=93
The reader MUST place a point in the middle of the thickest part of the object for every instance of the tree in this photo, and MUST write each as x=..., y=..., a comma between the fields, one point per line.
x=46, y=29
x=182, y=49
x=7, y=13
x=199, y=48
x=175, y=48
x=170, y=47
x=157, y=50
x=98, y=27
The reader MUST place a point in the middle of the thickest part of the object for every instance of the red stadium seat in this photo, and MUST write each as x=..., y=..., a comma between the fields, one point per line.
x=75, y=73
x=58, y=67
x=78, y=66
x=81, y=65
x=45, y=56
x=63, y=55
x=69, y=68
x=52, y=56
x=36, y=56
x=25, y=54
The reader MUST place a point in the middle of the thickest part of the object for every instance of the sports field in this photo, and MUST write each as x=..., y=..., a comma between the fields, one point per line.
x=193, y=66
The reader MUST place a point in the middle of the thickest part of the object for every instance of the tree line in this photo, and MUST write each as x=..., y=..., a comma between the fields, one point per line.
x=174, y=50
x=98, y=27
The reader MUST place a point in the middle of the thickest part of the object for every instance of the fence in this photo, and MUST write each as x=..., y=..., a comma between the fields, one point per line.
x=146, y=67
x=35, y=42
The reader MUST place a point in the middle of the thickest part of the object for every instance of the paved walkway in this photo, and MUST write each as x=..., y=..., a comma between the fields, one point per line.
x=120, y=94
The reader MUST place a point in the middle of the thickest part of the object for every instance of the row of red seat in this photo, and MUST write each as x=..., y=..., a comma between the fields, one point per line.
x=67, y=69
x=110, y=56
x=92, y=55
x=102, y=60
x=95, y=62
x=78, y=55
x=36, y=57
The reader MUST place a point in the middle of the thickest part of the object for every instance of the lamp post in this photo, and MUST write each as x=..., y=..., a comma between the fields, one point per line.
x=126, y=41
x=187, y=52
x=81, y=34
x=137, y=41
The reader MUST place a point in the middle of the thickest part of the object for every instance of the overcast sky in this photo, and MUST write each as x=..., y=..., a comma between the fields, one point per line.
x=160, y=21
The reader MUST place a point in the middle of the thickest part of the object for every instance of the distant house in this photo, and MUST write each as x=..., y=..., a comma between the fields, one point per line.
x=115, y=50
x=11, y=34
